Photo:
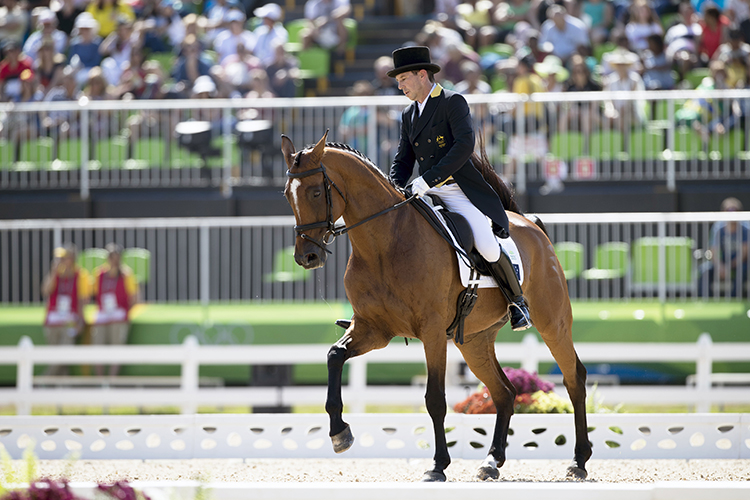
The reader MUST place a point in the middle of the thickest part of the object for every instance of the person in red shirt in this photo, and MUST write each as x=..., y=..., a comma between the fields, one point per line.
x=66, y=288
x=715, y=29
x=13, y=64
x=116, y=291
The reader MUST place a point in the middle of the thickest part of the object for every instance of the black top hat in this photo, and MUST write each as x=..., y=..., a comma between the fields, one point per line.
x=410, y=59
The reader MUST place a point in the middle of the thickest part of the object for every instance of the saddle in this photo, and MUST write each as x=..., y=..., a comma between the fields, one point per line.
x=463, y=235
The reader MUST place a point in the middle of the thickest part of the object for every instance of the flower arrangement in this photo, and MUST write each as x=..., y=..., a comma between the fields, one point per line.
x=534, y=395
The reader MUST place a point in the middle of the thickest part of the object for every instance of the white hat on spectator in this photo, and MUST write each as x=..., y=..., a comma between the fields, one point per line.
x=46, y=16
x=234, y=15
x=270, y=10
x=86, y=20
x=620, y=56
x=203, y=84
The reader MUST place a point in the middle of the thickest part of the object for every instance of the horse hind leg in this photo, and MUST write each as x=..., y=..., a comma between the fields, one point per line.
x=574, y=379
x=479, y=353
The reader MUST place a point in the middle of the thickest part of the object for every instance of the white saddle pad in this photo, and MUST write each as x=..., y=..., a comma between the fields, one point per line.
x=508, y=245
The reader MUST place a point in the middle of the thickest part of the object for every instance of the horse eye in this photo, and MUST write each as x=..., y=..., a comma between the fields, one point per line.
x=316, y=193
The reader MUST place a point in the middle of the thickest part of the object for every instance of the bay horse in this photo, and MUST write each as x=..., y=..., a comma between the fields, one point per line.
x=402, y=280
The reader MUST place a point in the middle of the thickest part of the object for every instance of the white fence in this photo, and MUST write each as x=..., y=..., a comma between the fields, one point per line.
x=614, y=436
x=651, y=255
x=135, y=144
x=357, y=393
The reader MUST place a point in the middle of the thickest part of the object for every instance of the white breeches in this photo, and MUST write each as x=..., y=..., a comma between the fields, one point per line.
x=456, y=201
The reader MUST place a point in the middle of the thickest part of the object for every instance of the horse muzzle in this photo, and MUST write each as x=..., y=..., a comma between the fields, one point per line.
x=311, y=258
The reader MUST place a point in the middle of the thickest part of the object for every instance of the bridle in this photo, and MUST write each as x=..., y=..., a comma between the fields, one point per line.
x=331, y=230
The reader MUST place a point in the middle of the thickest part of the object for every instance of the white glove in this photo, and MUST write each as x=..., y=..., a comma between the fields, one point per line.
x=419, y=187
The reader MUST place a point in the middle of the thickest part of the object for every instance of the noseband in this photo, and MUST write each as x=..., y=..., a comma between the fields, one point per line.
x=331, y=230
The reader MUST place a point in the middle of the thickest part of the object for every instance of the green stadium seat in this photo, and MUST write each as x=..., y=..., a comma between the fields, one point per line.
x=605, y=145
x=678, y=259
x=646, y=144
x=600, y=50
x=695, y=76
x=502, y=49
x=351, y=30
x=139, y=261
x=687, y=143
x=111, y=153
x=570, y=255
x=728, y=145
x=91, y=258
x=314, y=62
x=294, y=28
x=285, y=269
x=150, y=151
x=610, y=262
x=567, y=145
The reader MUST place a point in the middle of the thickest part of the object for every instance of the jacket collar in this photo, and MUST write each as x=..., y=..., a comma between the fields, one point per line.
x=429, y=110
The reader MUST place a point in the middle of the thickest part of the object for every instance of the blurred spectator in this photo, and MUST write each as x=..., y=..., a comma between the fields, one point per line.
x=84, y=46
x=733, y=54
x=165, y=29
x=710, y=116
x=715, y=28
x=226, y=42
x=682, y=39
x=270, y=32
x=47, y=24
x=67, y=289
x=534, y=140
x=205, y=88
x=643, y=23
x=738, y=13
x=623, y=115
x=21, y=126
x=472, y=82
x=657, y=67
x=553, y=73
x=216, y=16
x=508, y=14
x=599, y=16
x=283, y=72
x=14, y=21
x=68, y=11
x=727, y=264
x=326, y=24
x=48, y=65
x=191, y=63
x=116, y=291
x=195, y=26
x=539, y=52
x=116, y=49
x=457, y=54
x=101, y=124
x=353, y=123
x=383, y=84
x=107, y=13
x=260, y=86
x=132, y=75
x=580, y=116
x=60, y=124
x=14, y=63
x=565, y=32
x=476, y=13
x=233, y=75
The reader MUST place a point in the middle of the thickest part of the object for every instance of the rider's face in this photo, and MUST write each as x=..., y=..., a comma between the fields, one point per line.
x=411, y=83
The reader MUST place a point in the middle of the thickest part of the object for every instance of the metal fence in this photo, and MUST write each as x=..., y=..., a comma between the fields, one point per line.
x=656, y=136
x=663, y=256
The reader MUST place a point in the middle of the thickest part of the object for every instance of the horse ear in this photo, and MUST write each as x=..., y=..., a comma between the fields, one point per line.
x=287, y=148
x=317, y=151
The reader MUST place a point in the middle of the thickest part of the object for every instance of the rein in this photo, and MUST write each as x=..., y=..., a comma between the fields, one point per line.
x=332, y=231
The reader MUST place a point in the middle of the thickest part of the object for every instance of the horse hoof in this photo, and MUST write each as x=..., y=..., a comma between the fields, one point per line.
x=343, y=440
x=486, y=472
x=576, y=473
x=433, y=476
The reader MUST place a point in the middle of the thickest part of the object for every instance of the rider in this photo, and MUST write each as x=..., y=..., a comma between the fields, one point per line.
x=436, y=131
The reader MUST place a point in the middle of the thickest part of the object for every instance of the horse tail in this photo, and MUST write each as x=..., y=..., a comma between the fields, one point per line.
x=482, y=163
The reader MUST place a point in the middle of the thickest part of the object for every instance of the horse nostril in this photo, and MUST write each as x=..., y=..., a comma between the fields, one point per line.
x=311, y=258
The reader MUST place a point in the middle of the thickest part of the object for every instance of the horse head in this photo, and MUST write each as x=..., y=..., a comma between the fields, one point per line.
x=314, y=203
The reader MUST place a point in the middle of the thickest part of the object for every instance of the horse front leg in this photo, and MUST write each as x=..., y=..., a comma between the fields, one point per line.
x=437, y=407
x=358, y=339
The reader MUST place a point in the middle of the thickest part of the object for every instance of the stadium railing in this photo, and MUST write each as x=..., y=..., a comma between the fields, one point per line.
x=230, y=258
x=672, y=136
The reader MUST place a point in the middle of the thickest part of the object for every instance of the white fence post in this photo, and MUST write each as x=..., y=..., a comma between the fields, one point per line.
x=357, y=384
x=530, y=361
x=703, y=368
x=189, y=374
x=24, y=376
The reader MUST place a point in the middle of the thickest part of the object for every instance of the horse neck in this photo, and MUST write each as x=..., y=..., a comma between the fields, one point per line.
x=367, y=193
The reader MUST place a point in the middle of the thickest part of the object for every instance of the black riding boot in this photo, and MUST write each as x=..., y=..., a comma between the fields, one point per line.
x=505, y=275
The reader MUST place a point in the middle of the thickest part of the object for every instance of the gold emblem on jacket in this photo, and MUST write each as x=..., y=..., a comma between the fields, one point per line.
x=440, y=141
